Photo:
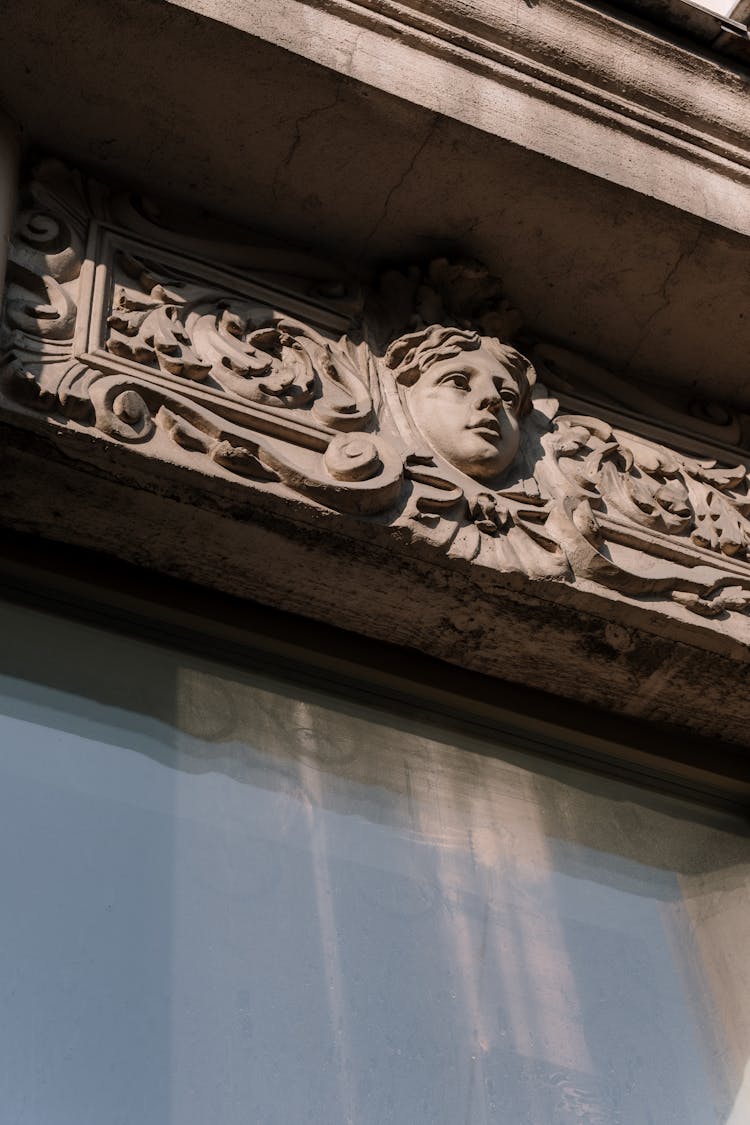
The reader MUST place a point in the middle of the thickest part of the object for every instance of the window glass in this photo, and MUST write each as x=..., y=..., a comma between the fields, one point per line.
x=229, y=899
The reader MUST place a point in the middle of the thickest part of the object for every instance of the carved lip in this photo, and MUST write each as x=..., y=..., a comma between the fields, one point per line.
x=487, y=427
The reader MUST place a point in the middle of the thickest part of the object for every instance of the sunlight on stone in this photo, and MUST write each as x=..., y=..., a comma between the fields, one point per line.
x=721, y=7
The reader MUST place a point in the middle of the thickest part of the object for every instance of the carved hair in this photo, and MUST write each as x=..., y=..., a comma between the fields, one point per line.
x=411, y=355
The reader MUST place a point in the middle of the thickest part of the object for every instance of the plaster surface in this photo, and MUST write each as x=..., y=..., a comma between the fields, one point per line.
x=313, y=156
x=576, y=82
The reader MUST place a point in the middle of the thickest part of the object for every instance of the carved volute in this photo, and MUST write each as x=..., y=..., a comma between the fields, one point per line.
x=416, y=403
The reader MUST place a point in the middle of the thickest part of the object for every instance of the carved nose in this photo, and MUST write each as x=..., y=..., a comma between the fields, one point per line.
x=491, y=402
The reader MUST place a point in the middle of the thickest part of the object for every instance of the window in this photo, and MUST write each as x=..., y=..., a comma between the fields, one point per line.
x=231, y=898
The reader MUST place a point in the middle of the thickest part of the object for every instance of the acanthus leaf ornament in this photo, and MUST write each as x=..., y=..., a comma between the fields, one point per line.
x=243, y=347
x=412, y=408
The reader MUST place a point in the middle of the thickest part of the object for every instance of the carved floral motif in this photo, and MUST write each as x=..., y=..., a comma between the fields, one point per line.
x=412, y=409
x=245, y=348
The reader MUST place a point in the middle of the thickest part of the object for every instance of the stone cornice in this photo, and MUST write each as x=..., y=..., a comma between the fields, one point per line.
x=576, y=83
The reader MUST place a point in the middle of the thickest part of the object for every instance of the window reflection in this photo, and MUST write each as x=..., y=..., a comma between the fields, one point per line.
x=230, y=899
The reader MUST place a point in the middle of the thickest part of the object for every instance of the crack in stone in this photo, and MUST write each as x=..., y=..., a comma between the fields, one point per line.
x=353, y=50
x=399, y=183
x=665, y=298
x=297, y=138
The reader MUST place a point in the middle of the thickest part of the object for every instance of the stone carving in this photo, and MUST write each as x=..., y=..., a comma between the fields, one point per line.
x=407, y=404
x=579, y=382
x=467, y=395
x=244, y=347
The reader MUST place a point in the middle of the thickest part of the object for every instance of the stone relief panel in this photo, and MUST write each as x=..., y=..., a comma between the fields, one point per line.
x=414, y=402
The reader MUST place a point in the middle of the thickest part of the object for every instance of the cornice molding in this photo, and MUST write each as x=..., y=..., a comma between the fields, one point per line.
x=579, y=84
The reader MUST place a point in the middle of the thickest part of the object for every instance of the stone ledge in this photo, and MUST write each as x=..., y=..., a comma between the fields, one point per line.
x=303, y=153
x=112, y=594
x=583, y=86
x=604, y=655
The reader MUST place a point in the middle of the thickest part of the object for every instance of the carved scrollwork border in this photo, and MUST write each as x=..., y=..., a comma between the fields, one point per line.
x=295, y=384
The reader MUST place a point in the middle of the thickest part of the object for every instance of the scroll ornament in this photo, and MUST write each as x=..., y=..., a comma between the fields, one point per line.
x=406, y=405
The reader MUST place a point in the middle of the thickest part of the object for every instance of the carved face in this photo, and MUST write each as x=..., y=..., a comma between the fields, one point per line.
x=468, y=409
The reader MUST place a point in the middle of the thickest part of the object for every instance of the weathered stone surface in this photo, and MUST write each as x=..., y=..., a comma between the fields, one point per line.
x=302, y=151
x=294, y=558
x=573, y=81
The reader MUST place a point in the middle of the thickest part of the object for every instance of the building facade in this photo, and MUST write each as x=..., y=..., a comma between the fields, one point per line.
x=376, y=523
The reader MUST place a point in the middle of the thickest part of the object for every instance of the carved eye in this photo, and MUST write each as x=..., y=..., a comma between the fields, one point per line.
x=457, y=379
x=509, y=398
